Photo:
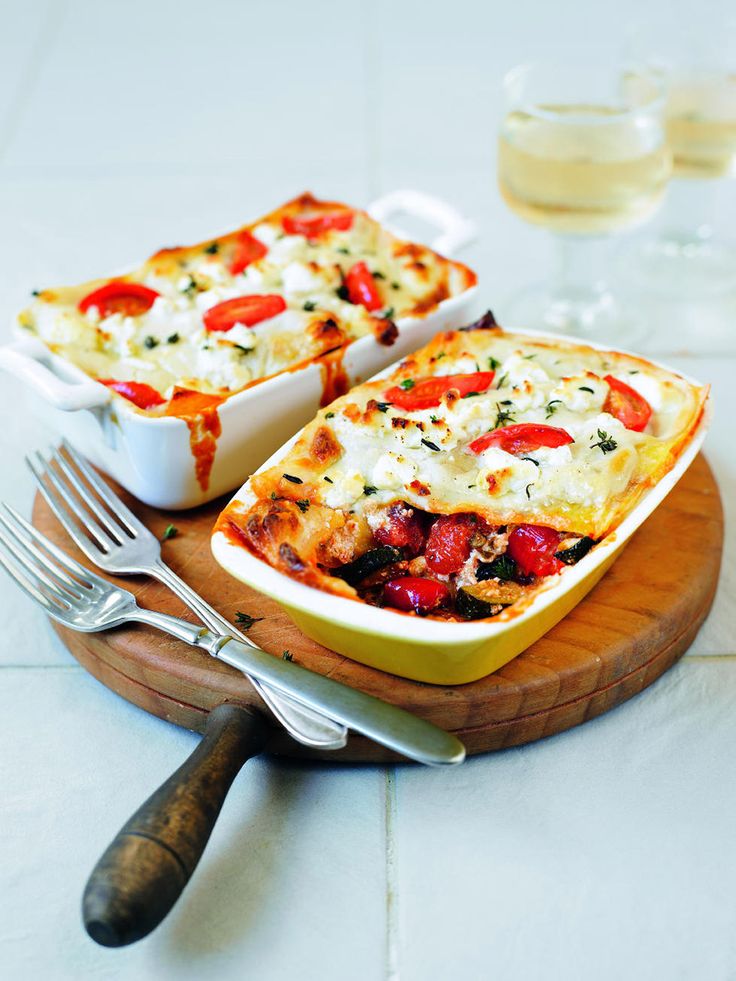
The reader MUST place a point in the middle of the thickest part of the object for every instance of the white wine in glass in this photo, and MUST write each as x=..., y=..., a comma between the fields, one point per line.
x=695, y=57
x=701, y=126
x=582, y=153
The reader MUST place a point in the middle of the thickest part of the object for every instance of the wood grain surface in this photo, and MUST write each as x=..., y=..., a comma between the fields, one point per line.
x=632, y=627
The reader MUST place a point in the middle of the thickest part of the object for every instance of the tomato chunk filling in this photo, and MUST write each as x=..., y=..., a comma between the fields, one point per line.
x=455, y=566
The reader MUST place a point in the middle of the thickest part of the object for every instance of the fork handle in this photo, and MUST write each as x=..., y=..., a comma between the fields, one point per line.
x=149, y=862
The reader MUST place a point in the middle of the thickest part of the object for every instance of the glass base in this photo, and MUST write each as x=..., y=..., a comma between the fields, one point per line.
x=683, y=267
x=595, y=316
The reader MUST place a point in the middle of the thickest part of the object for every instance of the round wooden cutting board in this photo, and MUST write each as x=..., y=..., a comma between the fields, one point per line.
x=632, y=627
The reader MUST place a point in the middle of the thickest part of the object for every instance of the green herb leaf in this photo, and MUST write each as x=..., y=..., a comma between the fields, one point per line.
x=35, y=292
x=368, y=490
x=502, y=381
x=328, y=480
x=378, y=274
x=387, y=313
x=303, y=504
x=493, y=364
x=407, y=384
x=342, y=292
x=584, y=388
x=171, y=531
x=293, y=479
x=150, y=342
x=430, y=445
x=287, y=656
x=502, y=416
x=310, y=305
x=395, y=285
x=245, y=620
x=503, y=567
x=172, y=339
x=191, y=286
x=551, y=407
x=213, y=248
x=470, y=395
x=329, y=415
x=343, y=251
x=605, y=442
x=383, y=406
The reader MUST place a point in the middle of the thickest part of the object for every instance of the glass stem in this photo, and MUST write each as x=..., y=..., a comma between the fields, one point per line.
x=689, y=214
x=577, y=274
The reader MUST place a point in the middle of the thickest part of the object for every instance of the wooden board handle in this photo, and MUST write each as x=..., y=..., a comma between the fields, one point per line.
x=149, y=862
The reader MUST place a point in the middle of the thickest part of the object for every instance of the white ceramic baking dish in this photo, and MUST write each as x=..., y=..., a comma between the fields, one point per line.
x=442, y=652
x=151, y=456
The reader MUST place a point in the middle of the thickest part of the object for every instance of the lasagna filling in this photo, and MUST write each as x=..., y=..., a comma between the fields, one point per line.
x=482, y=467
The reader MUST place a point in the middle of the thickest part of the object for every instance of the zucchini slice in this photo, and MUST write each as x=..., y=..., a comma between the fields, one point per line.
x=574, y=553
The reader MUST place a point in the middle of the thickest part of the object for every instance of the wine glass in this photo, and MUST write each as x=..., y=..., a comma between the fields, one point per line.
x=697, y=63
x=582, y=153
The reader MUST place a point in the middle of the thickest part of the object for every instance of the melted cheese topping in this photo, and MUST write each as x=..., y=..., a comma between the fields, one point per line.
x=379, y=453
x=168, y=345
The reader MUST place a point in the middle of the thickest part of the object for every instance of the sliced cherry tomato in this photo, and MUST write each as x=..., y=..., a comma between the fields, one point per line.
x=533, y=549
x=425, y=393
x=130, y=299
x=361, y=287
x=247, y=249
x=245, y=310
x=314, y=223
x=448, y=544
x=415, y=593
x=402, y=527
x=626, y=405
x=522, y=438
x=138, y=393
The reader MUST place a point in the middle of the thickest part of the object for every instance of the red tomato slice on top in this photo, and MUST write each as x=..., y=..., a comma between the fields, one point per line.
x=247, y=249
x=314, y=223
x=245, y=310
x=533, y=549
x=361, y=287
x=130, y=299
x=626, y=405
x=522, y=438
x=425, y=393
x=138, y=393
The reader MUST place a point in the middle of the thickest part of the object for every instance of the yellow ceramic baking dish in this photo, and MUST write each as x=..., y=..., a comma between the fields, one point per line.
x=434, y=651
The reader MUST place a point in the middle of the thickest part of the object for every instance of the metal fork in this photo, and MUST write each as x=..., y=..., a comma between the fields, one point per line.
x=116, y=541
x=84, y=601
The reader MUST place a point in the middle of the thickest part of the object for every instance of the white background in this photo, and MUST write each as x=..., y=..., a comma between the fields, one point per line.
x=605, y=852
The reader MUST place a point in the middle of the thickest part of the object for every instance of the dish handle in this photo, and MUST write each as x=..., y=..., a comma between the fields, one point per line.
x=455, y=231
x=28, y=359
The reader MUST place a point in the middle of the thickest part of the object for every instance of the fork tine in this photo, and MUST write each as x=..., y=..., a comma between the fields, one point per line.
x=83, y=517
x=124, y=515
x=67, y=517
x=115, y=530
x=27, y=586
x=35, y=561
x=59, y=566
x=43, y=583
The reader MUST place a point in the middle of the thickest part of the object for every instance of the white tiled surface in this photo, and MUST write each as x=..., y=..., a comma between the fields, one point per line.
x=604, y=852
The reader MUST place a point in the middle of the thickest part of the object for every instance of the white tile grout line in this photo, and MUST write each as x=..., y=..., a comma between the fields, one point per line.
x=52, y=20
x=392, y=879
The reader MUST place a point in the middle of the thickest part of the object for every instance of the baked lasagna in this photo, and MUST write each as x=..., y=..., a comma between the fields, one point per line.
x=469, y=477
x=218, y=317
